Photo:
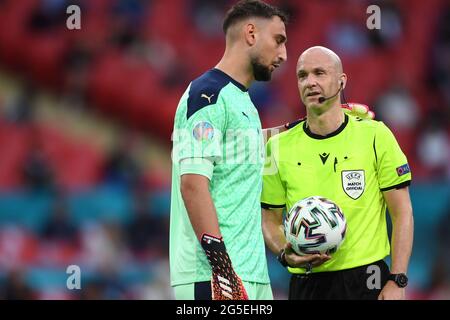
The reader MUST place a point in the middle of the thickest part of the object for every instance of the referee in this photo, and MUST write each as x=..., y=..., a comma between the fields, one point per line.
x=356, y=163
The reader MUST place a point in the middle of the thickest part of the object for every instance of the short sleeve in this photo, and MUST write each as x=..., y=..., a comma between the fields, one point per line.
x=201, y=166
x=273, y=191
x=392, y=165
x=200, y=137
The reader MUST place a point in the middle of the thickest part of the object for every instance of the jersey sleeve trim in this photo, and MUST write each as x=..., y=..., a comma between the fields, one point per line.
x=201, y=166
x=397, y=186
x=269, y=206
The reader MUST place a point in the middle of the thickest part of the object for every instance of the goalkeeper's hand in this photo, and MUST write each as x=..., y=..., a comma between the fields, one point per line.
x=358, y=110
x=225, y=283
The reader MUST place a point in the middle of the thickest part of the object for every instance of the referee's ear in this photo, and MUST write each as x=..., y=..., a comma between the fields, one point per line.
x=343, y=81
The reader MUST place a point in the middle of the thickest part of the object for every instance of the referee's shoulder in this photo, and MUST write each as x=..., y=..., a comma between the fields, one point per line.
x=366, y=123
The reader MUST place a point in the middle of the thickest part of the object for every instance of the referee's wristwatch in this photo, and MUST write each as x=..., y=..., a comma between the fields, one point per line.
x=399, y=278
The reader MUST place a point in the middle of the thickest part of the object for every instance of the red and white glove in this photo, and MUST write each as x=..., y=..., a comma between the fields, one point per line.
x=225, y=283
x=352, y=108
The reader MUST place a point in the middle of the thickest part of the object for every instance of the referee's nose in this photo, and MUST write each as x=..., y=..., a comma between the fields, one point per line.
x=310, y=81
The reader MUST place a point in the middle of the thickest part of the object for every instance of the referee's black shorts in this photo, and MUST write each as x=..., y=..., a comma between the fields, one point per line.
x=358, y=283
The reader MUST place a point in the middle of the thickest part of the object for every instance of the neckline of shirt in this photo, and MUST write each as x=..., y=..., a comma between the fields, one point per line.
x=332, y=134
x=227, y=77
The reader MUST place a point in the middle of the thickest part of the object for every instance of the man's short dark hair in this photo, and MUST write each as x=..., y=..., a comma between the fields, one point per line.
x=251, y=8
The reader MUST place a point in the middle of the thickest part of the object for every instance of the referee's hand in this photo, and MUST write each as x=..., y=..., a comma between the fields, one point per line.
x=297, y=261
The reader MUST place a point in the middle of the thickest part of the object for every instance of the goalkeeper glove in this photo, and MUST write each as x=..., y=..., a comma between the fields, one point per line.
x=358, y=110
x=225, y=283
x=352, y=108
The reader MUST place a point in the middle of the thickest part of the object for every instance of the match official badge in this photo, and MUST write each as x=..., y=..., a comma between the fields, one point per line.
x=203, y=131
x=353, y=183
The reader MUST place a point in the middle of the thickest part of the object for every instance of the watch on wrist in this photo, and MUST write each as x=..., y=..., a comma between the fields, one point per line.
x=399, y=278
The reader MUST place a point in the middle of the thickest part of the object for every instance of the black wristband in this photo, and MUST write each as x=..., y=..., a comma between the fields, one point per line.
x=282, y=258
x=216, y=252
x=212, y=243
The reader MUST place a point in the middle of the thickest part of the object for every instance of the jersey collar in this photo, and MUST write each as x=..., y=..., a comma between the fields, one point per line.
x=332, y=134
x=227, y=77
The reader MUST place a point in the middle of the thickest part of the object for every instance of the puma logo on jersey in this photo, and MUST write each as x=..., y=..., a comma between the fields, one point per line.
x=206, y=97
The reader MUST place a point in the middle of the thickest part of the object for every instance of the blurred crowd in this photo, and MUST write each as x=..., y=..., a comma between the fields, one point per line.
x=130, y=62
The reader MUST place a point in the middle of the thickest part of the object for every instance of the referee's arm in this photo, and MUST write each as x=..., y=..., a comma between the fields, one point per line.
x=400, y=210
x=272, y=224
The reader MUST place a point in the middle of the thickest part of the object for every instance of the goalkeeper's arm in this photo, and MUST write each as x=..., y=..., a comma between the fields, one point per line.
x=225, y=283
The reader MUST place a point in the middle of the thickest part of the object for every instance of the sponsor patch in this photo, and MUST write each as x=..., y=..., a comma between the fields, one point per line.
x=203, y=131
x=402, y=170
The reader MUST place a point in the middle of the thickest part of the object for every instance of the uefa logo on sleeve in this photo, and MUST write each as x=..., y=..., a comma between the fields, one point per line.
x=203, y=131
x=402, y=170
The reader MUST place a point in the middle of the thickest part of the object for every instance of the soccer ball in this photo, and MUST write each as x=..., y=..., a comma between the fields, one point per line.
x=315, y=225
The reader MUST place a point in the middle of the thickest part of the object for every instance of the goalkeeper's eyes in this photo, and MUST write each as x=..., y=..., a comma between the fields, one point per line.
x=280, y=39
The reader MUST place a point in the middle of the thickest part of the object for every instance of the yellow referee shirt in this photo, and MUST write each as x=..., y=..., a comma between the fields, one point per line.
x=351, y=166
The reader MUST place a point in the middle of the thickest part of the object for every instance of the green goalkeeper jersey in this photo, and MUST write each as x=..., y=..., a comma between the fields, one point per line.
x=352, y=167
x=217, y=133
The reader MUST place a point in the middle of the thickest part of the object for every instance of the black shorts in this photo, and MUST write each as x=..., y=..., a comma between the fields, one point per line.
x=360, y=283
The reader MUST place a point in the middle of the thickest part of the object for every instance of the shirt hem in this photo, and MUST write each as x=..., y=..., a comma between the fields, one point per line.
x=345, y=267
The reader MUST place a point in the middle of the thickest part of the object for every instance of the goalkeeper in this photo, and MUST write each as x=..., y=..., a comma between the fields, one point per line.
x=217, y=248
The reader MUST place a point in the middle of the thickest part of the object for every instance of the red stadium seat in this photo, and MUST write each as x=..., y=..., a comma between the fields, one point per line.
x=13, y=148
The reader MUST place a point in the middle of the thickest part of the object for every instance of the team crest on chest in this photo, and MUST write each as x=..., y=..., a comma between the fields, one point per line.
x=353, y=183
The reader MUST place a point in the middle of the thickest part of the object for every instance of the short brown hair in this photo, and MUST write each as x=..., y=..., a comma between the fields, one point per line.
x=251, y=8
